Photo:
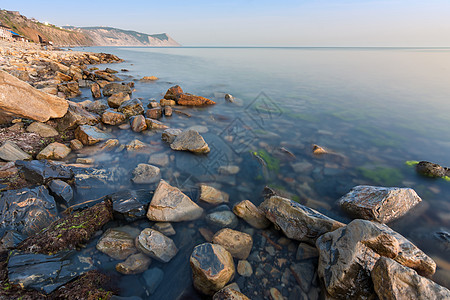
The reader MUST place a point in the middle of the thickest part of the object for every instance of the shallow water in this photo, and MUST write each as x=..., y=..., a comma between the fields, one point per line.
x=374, y=107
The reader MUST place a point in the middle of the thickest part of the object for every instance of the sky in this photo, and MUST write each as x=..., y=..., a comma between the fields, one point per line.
x=397, y=23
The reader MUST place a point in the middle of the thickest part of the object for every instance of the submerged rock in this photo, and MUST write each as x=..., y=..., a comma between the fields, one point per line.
x=212, y=195
x=154, y=124
x=156, y=245
x=116, y=244
x=130, y=204
x=169, y=204
x=430, y=169
x=239, y=244
x=134, y=264
x=146, y=174
x=90, y=135
x=42, y=171
x=379, y=203
x=212, y=267
x=222, y=219
x=251, y=214
x=54, y=151
x=153, y=278
x=297, y=221
x=190, y=140
x=11, y=152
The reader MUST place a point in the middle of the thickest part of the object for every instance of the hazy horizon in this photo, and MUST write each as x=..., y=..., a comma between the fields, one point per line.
x=322, y=23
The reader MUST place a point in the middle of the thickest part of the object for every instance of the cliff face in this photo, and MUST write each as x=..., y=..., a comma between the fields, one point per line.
x=86, y=36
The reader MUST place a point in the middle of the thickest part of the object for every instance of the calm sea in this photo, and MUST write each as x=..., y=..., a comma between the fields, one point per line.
x=373, y=108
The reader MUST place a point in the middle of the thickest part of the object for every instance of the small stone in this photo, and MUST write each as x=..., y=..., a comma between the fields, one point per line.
x=239, y=244
x=149, y=78
x=244, y=268
x=154, y=124
x=153, y=278
x=116, y=244
x=134, y=264
x=90, y=135
x=275, y=294
x=131, y=108
x=206, y=234
x=156, y=245
x=42, y=129
x=168, y=111
x=95, y=91
x=212, y=195
x=170, y=134
x=135, y=145
x=11, y=152
x=97, y=107
x=76, y=144
x=154, y=113
x=54, y=151
x=112, y=117
x=317, y=150
x=199, y=128
x=190, y=140
x=229, y=170
x=159, y=159
x=146, y=174
x=305, y=275
x=251, y=214
x=138, y=123
x=229, y=98
x=222, y=219
x=165, y=228
x=153, y=104
x=228, y=293
x=165, y=102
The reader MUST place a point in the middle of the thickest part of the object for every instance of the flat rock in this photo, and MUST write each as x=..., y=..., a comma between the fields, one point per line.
x=348, y=255
x=75, y=116
x=42, y=171
x=181, y=98
x=116, y=244
x=212, y=195
x=146, y=174
x=212, y=267
x=134, y=264
x=54, y=151
x=239, y=244
x=34, y=104
x=379, y=203
x=190, y=140
x=11, y=152
x=90, y=135
x=251, y=214
x=131, y=108
x=156, y=245
x=114, y=88
x=112, y=117
x=391, y=280
x=169, y=204
x=222, y=219
x=42, y=129
x=297, y=221
x=170, y=134
x=62, y=191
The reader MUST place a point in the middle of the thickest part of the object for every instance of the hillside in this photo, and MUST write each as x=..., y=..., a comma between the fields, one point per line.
x=86, y=36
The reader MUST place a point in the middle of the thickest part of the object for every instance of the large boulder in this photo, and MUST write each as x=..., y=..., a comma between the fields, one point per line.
x=212, y=267
x=392, y=281
x=169, y=204
x=380, y=204
x=90, y=135
x=190, y=140
x=156, y=245
x=297, y=221
x=251, y=214
x=239, y=244
x=348, y=255
x=77, y=115
x=18, y=98
x=117, y=244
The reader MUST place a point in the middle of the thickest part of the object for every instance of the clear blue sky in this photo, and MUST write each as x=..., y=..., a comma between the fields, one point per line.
x=262, y=22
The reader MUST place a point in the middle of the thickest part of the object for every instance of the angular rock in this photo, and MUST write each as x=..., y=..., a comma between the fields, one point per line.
x=305, y=275
x=170, y=134
x=76, y=144
x=429, y=169
x=62, y=76
x=27, y=210
x=378, y=203
x=173, y=92
x=116, y=100
x=239, y=244
x=348, y=255
x=176, y=93
x=169, y=204
x=11, y=152
x=156, y=245
x=138, y=123
x=131, y=108
x=130, y=204
x=153, y=278
x=116, y=244
x=212, y=267
x=305, y=251
x=134, y=264
x=34, y=104
x=229, y=98
x=251, y=214
x=393, y=281
x=76, y=115
x=62, y=191
x=297, y=221
x=54, y=151
x=222, y=219
x=95, y=90
x=212, y=195
x=42, y=129
x=135, y=145
x=154, y=113
x=165, y=102
x=42, y=171
x=90, y=135
x=114, y=88
x=146, y=174
x=97, y=107
x=113, y=117
x=190, y=140
x=154, y=124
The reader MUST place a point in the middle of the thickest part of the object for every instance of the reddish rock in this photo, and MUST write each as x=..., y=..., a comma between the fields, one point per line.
x=173, y=92
x=181, y=98
x=95, y=90
x=154, y=113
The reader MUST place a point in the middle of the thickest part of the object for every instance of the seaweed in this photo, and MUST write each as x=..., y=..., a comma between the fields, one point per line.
x=382, y=175
x=272, y=163
x=411, y=163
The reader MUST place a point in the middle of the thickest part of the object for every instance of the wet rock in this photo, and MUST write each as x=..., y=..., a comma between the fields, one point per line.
x=302, y=167
x=244, y=268
x=76, y=144
x=69, y=89
x=135, y=145
x=430, y=169
x=138, y=123
x=90, y=135
x=168, y=111
x=27, y=210
x=95, y=90
x=153, y=279
x=190, y=140
x=154, y=113
x=153, y=124
x=169, y=204
x=10, y=240
x=97, y=107
x=379, y=203
x=42, y=171
x=222, y=219
x=348, y=255
x=229, y=98
x=146, y=174
x=114, y=88
x=130, y=204
x=159, y=159
x=116, y=100
x=116, y=244
x=134, y=264
x=42, y=129
x=173, y=92
x=239, y=244
x=212, y=267
x=212, y=195
x=251, y=214
x=11, y=152
x=318, y=150
x=62, y=191
x=149, y=78
x=170, y=134
x=76, y=115
x=113, y=117
x=165, y=102
x=34, y=104
x=165, y=228
x=176, y=93
x=297, y=221
x=394, y=281
x=156, y=245
x=131, y=108
x=228, y=170
x=54, y=151
x=229, y=294
x=153, y=104
x=42, y=272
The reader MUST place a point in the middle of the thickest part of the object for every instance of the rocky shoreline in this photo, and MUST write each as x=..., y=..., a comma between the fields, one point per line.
x=280, y=249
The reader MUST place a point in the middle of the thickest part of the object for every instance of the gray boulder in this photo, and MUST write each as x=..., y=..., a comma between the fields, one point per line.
x=190, y=140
